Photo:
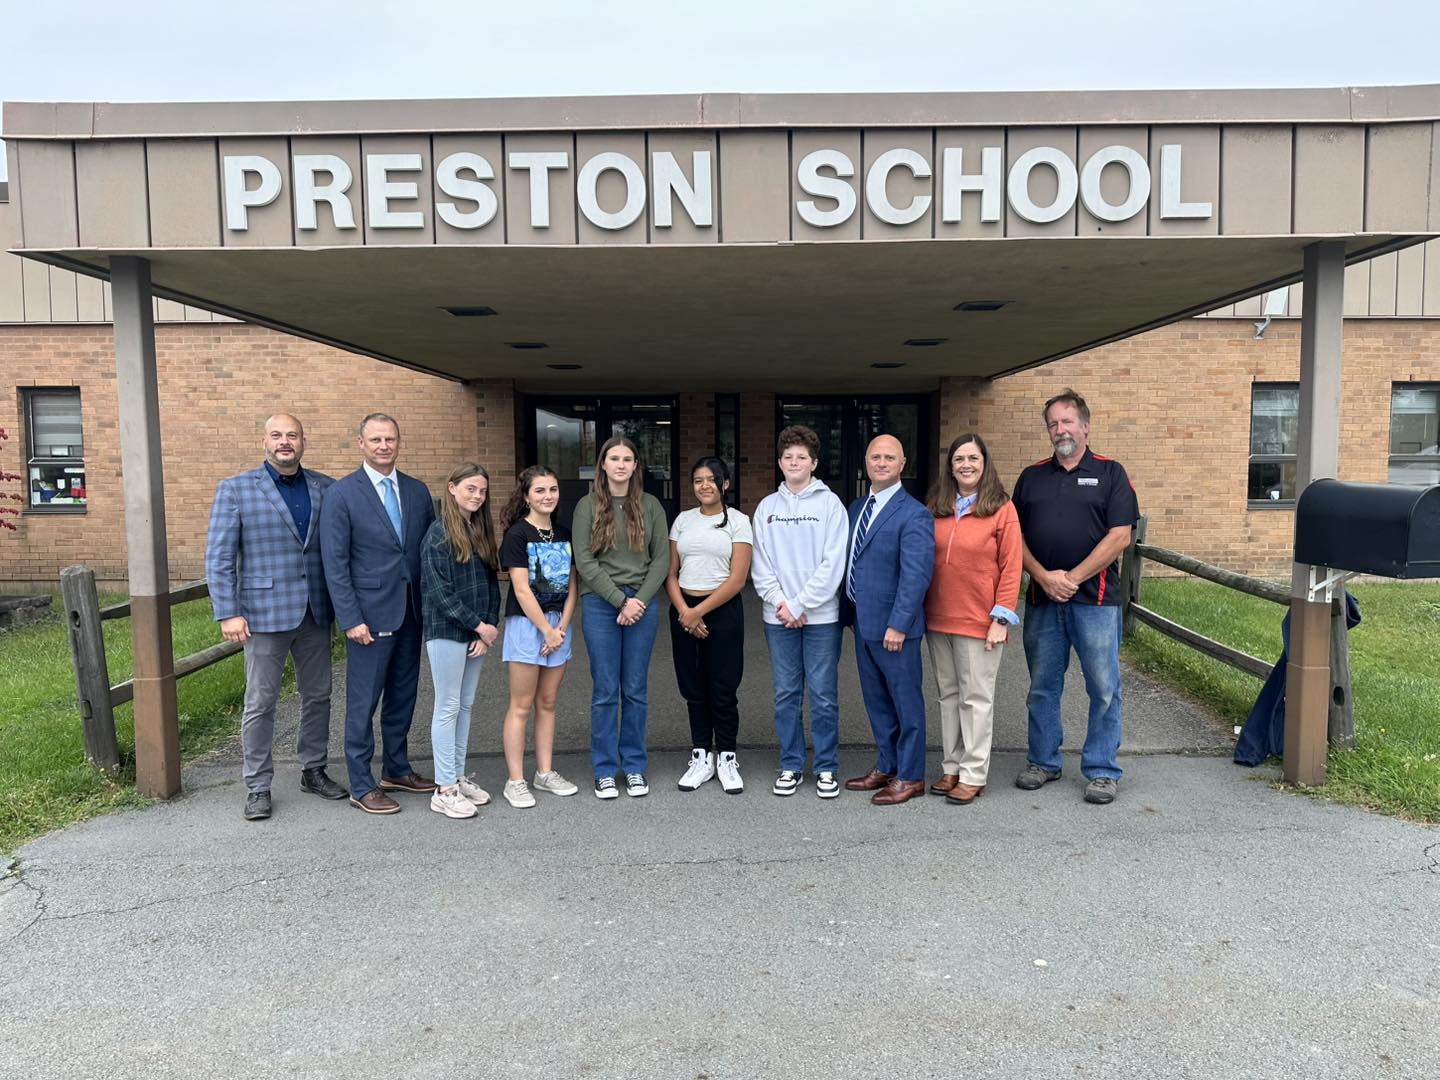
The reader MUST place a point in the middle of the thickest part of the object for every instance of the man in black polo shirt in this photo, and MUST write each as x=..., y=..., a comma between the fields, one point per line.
x=1076, y=512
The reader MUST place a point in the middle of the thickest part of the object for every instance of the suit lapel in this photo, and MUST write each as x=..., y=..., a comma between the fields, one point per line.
x=379, y=507
x=316, y=495
x=875, y=521
x=271, y=495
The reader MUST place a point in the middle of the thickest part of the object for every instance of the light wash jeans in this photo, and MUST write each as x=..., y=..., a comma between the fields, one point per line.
x=1093, y=631
x=806, y=658
x=456, y=677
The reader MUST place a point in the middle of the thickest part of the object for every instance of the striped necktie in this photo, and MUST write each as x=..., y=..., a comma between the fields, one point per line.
x=860, y=531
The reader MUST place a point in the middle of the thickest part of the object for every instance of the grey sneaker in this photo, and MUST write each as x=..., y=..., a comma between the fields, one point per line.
x=554, y=783
x=1032, y=778
x=1102, y=790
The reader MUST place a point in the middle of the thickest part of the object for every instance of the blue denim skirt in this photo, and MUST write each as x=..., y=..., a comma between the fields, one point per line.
x=523, y=642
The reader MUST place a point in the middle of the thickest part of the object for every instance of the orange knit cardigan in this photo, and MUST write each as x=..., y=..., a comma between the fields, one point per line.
x=977, y=565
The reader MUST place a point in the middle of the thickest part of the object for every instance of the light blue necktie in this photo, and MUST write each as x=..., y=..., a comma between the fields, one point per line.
x=859, y=540
x=392, y=507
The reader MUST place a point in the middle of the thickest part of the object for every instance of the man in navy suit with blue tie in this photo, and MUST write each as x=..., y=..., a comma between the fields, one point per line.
x=267, y=589
x=370, y=533
x=892, y=555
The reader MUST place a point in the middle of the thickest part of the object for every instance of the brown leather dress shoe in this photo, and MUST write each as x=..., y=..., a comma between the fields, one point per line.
x=964, y=794
x=412, y=782
x=898, y=791
x=376, y=801
x=873, y=780
x=944, y=785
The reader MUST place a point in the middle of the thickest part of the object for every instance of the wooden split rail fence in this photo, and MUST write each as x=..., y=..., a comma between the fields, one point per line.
x=84, y=619
x=1342, y=710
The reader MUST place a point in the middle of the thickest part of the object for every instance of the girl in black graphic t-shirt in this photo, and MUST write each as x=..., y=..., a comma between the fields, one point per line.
x=536, y=555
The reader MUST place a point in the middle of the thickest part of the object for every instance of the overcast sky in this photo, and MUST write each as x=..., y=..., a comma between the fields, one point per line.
x=184, y=50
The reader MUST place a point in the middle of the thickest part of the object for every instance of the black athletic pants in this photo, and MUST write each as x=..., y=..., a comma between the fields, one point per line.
x=708, y=671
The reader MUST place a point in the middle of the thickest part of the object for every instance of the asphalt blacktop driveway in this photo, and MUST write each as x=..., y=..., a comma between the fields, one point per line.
x=1204, y=925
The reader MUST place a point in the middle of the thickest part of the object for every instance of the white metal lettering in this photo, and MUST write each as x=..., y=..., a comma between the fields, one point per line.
x=308, y=192
x=1138, y=180
x=826, y=187
x=239, y=198
x=878, y=199
x=1018, y=189
x=956, y=182
x=449, y=180
x=1171, y=204
x=380, y=190
x=587, y=184
x=698, y=198
x=539, y=163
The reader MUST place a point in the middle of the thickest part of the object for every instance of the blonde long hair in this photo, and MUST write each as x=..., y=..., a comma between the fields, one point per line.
x=602, y=533
x=470, y=535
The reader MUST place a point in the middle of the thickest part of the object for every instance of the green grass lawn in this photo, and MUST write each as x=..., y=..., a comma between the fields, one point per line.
x=45, y=782
x=1395, y=670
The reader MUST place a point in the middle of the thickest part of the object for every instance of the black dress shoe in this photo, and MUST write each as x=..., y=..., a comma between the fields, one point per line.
x=257, y=806
x=317, y=783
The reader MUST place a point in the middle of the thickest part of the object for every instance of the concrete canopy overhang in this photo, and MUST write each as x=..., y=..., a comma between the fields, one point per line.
x=761, y=298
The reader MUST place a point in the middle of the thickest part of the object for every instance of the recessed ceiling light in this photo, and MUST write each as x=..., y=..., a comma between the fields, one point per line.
x=563, y=367
x=888, y=364
x=477, y=312
x=982, y=305
x=926, y=342
x=527, y=344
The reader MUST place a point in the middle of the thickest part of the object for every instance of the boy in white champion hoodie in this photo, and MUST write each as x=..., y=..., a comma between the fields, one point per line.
x=801, y=534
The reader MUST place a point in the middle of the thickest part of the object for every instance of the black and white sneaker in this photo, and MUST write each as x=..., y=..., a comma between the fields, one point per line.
x=788, y=781
x=605, y=788
x=729, y=770
x=701, y=770
x=635, y=785
x=826, y=786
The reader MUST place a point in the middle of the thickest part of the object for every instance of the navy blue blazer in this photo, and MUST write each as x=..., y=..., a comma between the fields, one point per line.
x=256, y=562
x=892, y=568
x=371, y=574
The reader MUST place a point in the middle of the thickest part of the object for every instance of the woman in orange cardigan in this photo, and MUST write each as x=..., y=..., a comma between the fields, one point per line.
x=969, y=610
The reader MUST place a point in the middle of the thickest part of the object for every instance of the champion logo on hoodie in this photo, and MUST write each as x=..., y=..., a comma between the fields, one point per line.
x=796, y=519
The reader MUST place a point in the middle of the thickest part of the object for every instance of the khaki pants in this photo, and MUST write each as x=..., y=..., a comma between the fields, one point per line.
x=965, y=673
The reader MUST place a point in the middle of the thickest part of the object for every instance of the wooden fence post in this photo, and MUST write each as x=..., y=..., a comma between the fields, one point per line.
x=1341, y=732
x=1131, y=569
x=92, y=675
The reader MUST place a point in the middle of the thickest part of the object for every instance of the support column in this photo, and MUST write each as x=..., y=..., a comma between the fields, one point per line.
x=1307, y=675
x=157, y=728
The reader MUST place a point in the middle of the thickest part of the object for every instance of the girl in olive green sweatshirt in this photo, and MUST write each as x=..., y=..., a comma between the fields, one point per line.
x=622, y=553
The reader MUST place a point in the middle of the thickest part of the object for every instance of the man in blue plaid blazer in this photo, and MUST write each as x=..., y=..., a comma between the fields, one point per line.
x=268, y=592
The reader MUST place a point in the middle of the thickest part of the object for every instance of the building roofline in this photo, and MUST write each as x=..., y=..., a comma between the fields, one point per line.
x=122, y=120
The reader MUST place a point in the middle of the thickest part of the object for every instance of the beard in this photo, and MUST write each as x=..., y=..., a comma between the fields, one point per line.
x=1066, y=446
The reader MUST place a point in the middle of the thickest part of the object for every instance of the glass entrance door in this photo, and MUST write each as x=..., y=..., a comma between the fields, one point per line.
x=846, y=425
x=566, y=434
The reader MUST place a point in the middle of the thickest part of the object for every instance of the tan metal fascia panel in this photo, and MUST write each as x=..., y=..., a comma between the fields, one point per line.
x=107, y=120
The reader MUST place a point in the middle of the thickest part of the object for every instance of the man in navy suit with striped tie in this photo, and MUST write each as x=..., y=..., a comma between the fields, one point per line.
x=892, y=556
x=370, y=533
x=267, y=588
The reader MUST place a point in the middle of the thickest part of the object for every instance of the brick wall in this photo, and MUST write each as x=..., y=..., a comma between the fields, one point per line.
x=1173, y=406
x=218, y=383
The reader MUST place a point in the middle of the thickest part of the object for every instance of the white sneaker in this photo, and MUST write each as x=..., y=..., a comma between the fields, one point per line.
x=826, y=786
x=729, y=770
x=554, y=783
x=472, y=791
x=451, y=803
x=702, y=768
x=518, y=795
x=788, y=781
x=635, y=785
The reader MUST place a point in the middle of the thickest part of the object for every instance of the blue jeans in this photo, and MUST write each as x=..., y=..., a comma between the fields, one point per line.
x=1093, y=631
x=807, y=657
x=456, y=677
x=619, y=678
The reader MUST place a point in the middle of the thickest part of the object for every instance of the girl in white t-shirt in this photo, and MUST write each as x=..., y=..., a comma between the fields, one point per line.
x=709, y=565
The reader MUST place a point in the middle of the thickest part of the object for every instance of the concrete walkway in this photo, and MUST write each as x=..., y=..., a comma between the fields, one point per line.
x=1205, y=925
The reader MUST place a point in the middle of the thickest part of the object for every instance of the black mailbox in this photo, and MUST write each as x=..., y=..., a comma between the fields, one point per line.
x=1385, y=529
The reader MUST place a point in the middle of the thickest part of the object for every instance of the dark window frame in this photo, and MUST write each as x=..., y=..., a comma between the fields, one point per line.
x=1253, y=459
x=1425, y=457
x=727, y=407
x=28, y=394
